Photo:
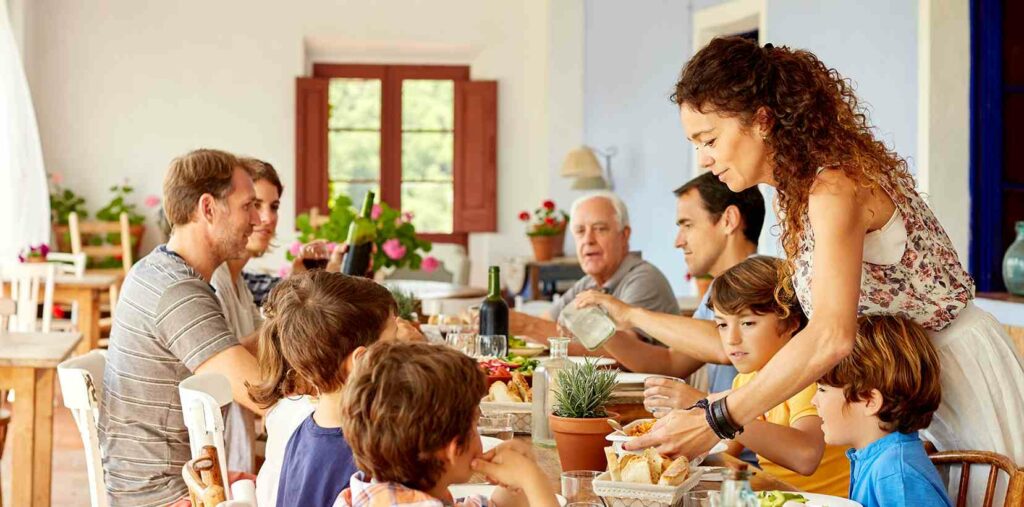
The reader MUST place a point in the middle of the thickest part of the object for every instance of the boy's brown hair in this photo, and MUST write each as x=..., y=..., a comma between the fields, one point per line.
x=406, y=401
x=751, y=285
x=314, y=321
x=894, y=355
x=192, y=175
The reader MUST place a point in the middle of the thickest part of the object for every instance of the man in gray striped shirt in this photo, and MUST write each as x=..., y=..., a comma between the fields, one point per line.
x=168, y=325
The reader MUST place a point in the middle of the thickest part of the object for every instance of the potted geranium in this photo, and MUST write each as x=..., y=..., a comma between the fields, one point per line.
x=546, y=230
x=397, y=245
x=34, y=253
x=579, y=421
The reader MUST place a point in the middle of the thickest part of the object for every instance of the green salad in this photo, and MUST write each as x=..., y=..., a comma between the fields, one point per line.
x=516, y=342
x=778, y=498
x=522, y=364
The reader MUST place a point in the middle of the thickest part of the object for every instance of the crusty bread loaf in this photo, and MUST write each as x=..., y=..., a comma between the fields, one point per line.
x=614, y=468
x=499, y=392
x=522, y=388
x=676, y=473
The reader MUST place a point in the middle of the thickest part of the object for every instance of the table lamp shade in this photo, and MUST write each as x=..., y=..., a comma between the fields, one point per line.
x=590, y=183
x=581, y=163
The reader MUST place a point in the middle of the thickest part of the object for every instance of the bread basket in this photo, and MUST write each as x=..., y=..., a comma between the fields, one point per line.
x=630, y=494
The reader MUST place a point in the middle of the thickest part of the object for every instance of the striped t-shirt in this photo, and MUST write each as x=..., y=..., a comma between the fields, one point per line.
x=167, y=323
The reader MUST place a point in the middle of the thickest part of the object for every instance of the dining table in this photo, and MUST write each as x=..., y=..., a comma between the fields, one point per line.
x=428, y=289
x=86, y=291
x=28, y=364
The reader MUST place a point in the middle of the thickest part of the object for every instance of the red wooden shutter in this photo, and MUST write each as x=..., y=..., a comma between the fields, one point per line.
x=310, y=144
x=476, y=156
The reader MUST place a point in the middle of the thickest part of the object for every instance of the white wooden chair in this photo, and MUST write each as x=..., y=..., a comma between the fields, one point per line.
x=73, y=265
x=202, y=397
x=25, y=280
x=81, y=384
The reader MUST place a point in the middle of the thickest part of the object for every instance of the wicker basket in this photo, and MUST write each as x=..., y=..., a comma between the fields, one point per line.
x=522, y=414
x=627, y=494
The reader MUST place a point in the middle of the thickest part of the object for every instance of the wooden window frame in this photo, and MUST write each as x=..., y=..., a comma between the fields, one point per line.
x=391, y=77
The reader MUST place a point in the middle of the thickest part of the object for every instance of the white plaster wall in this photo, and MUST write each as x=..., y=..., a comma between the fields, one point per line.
x=121, y=87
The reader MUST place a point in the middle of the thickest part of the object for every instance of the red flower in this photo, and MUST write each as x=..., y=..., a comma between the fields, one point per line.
x=549, y=221
x=58, y=312
x=549, y=205
x=524, y=216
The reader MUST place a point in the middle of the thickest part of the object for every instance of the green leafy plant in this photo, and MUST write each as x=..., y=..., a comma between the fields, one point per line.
x=408, y=305
x=119, y=204
x=546, y=220
x=392, y=231
x=583, y=390
x=63, y=201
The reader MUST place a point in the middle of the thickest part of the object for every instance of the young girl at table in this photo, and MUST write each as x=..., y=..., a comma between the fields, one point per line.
x=754, y=324
x=875, y=400
x=411, y=412
x=317, y=325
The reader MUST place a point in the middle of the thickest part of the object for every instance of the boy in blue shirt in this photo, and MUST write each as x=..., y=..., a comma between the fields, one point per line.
x=875, y=400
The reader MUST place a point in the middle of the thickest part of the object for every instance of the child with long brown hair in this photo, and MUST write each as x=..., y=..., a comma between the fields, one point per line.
x=852, y=218
x=317, y=324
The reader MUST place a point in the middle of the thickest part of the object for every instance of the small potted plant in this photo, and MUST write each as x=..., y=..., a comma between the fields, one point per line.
x=409, y=307
x=546, y=230
x=579, y=421
x=63, y=201
x=34, y=253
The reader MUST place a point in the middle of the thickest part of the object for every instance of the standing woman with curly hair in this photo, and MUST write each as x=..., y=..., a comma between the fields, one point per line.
x=859, y=240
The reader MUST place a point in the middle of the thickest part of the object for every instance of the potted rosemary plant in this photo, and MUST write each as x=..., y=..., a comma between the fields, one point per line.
x=409, y=307
x=579, y=421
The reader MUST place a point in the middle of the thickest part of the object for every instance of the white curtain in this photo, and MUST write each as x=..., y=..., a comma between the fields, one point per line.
x=24, y=195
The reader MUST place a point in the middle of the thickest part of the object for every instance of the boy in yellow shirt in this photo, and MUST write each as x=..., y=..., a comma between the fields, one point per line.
x=754, y=325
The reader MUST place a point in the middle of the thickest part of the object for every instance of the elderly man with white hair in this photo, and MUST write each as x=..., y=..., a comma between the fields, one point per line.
x=599, y=223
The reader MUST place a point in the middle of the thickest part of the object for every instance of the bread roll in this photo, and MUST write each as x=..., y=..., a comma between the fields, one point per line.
x=499, y=392
x=636, y=469
x=676, y=473
x=522, y=388
x=613, y=463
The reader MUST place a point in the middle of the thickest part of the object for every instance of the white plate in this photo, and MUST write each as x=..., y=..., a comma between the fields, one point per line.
x=490, y=442
x=601, y=361
x=485, y=490
x=819, y=500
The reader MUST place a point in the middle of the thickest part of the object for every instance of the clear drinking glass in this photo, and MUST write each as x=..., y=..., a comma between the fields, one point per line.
x=496, y=424
x=492, y=345
x=652, y=403
x=578, y=487
x=702, y=499
x=463, y=342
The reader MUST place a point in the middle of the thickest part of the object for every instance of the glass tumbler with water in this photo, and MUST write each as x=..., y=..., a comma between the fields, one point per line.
x=492, y=345
x=497, y=425
x=591, y=325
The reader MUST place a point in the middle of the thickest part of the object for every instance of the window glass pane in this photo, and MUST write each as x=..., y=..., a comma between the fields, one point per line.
x=354, y=104
x=430, y=204
x=353, y=155
x=428, y=104
x=427, y=156
x=354, y=191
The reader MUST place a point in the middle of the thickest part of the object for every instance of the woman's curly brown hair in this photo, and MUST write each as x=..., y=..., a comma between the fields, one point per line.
x=813, y=118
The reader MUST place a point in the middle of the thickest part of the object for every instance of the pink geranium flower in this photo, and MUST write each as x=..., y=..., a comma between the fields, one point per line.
x=407, y=216
x=296, y=248
x=152, y=201
x=394, y=249
x=57, y=178
x=284, y=271
x=429, y=264
x=376, y=211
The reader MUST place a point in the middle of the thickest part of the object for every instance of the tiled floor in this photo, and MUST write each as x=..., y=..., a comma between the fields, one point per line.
x=70, y=481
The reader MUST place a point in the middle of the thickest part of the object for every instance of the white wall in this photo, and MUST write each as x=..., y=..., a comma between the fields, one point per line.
x=635, y=50
x=633, y=54
x=121, y=87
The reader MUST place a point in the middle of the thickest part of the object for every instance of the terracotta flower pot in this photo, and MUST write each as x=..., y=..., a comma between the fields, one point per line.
x=546, y=248
x=581, y=442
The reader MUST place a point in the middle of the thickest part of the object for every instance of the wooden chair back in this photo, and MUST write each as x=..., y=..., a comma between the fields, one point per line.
x=996, y=463
x=79, y=228
x=81, y=386
x=7, y=308
x=203, y=477
x=202, y=397
x=27, y=280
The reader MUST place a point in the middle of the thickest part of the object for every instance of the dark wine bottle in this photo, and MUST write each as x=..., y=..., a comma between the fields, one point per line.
x=494, y=310
x=360, y=243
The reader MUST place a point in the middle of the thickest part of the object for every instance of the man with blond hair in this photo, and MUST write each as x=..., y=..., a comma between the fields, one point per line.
x=169, y=326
